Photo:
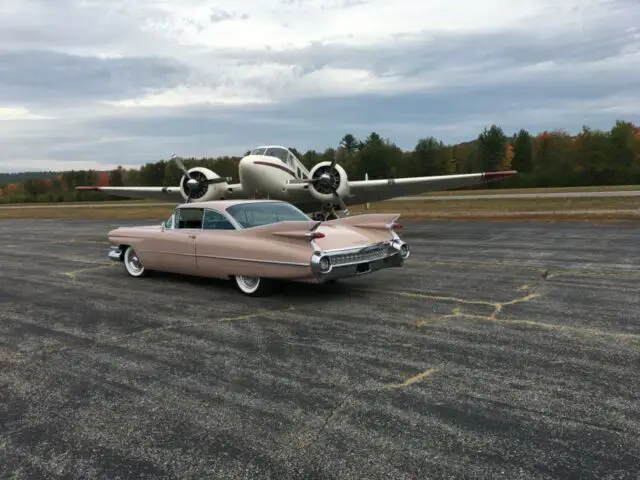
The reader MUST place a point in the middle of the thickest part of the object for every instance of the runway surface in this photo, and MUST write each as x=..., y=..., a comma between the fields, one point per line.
x=419, y=198
x=501, y=351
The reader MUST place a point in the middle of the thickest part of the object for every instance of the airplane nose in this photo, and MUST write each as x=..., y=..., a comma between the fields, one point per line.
x=243, y=166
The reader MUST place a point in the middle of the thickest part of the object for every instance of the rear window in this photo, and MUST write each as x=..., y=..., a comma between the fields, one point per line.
x=256, y=214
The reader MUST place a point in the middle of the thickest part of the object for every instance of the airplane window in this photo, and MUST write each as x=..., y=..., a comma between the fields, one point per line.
x=257, y=151
x=265, y=213
x=216, y=221
x=168, y=223
x=190, y=218
x=278, y=153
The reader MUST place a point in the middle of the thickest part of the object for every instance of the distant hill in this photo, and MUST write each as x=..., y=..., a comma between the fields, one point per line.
x=6, y=178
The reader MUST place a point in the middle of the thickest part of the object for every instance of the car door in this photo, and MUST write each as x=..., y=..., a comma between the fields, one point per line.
x=213, y=244
x=177, y=244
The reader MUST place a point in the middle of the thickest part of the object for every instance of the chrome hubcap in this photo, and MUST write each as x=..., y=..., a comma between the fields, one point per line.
x=134, y=263
x=249, y=283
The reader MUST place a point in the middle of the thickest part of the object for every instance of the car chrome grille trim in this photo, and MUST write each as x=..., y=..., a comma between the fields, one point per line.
x=369, y=255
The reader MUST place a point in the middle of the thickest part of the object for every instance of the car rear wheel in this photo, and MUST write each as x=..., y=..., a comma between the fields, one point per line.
x=253, y=286
x=132, y=263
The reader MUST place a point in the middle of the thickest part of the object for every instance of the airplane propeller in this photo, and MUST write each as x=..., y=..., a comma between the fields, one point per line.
x=194, y=185
x=325, y=181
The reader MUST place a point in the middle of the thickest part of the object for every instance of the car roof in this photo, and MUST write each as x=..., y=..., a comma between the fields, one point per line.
x=223, y=204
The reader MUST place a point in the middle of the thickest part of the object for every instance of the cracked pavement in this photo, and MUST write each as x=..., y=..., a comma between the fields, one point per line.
x=501, y=350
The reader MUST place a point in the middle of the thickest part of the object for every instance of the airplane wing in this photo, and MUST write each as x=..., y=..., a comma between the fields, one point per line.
x=362, y=191
x=160, y=194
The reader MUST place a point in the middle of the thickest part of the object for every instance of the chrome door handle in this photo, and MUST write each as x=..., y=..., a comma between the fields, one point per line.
x=192, y=236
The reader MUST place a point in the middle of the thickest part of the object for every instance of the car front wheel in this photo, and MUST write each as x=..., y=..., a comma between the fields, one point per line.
x=132, y=263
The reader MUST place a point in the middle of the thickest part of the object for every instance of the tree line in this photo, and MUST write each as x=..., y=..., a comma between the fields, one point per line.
x=549, y=159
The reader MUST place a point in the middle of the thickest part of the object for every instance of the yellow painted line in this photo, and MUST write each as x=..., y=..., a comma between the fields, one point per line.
x=72, y=274
x=415, y=379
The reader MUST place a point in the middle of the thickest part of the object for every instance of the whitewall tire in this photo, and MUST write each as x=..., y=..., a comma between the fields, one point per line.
x=253, y=286
x=132, y=263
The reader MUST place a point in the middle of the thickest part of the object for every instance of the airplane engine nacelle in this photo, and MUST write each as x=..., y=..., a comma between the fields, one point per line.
x=330, y=180
x=204, y=191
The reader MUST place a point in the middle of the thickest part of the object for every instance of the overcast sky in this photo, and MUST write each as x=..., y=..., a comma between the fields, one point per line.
x=97, y=83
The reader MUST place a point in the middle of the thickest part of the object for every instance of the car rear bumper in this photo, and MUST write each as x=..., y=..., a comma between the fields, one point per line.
x=347, y=263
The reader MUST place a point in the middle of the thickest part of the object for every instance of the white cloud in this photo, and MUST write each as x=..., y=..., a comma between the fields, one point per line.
x=20, y=113
x=94, y=80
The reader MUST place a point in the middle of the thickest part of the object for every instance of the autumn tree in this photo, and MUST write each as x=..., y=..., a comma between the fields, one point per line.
x=593, y=159
x=507, y=160
x=554, y=155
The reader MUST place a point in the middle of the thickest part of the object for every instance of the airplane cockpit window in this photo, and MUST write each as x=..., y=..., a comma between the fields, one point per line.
x=291, y=160
x=189, y=218
x=216, y=221
x=280, y=153
x=257, y=151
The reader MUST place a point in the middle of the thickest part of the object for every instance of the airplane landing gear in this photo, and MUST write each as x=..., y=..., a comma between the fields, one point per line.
x=327, y=213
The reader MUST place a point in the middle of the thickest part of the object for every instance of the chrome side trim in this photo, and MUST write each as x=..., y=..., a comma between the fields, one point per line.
x=219, y=257
x=155, y=252
x=241, y=259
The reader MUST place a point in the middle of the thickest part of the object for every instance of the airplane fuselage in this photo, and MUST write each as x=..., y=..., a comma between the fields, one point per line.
x=265, y=176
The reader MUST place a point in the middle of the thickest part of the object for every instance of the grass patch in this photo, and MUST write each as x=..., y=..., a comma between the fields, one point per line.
x=603, y=208
x=509, y=191
x=448, y=193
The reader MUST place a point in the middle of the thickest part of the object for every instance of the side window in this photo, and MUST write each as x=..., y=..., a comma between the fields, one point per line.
x=168, y=223
x=216, y=221
x=189, y=218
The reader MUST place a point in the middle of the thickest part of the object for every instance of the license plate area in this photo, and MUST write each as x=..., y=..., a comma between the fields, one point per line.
x=363, y=268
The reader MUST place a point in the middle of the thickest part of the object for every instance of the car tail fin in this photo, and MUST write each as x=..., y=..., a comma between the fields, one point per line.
x=291, y=229
x=303, y=231
x=374, y=221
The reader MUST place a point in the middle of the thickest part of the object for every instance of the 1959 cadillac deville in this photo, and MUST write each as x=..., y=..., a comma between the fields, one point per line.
x=255, y=242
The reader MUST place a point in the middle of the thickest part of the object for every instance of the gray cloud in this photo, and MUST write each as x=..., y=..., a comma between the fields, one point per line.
x=45, y=78
x=537, y=79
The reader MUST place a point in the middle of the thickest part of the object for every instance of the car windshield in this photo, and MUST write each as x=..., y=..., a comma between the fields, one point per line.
x=264, y=213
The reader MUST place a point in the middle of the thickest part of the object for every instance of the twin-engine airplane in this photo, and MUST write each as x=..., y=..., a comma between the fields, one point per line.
x=276, y=173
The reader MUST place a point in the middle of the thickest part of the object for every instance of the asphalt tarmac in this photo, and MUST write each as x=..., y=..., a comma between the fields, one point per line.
x=500, y=351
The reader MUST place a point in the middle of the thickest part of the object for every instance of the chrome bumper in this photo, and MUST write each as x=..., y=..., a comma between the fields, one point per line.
x=353, y=262
x=115, y=254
